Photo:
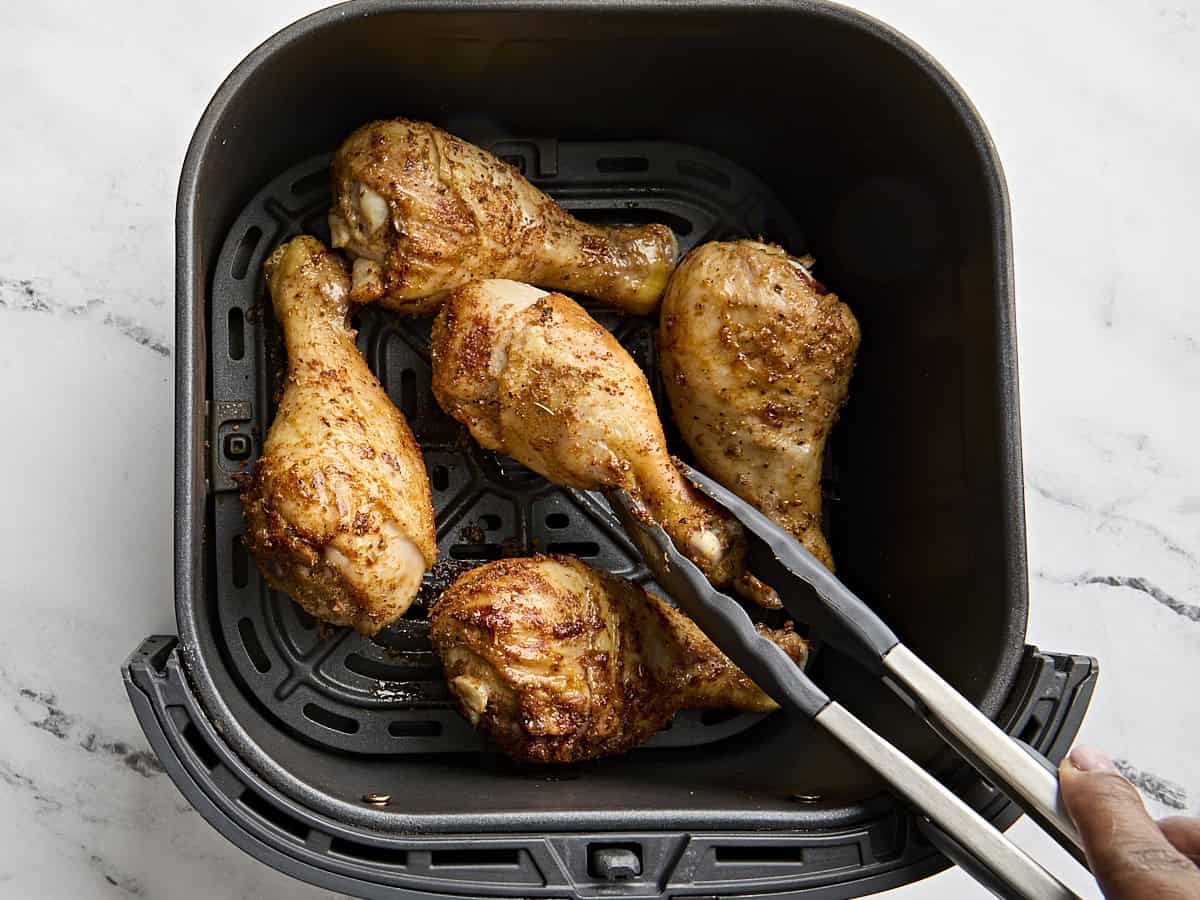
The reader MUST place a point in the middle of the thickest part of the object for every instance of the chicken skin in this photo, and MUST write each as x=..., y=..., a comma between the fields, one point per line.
x=757, y=357
x=559, y=662
x=533, y=376
x=424, y=212
x=338, y=510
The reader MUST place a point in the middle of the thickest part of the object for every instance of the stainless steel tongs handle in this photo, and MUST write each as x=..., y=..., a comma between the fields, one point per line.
x=964, y=835
x=1018, y=771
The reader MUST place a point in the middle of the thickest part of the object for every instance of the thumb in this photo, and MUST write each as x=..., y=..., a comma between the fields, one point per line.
x=1129, y=855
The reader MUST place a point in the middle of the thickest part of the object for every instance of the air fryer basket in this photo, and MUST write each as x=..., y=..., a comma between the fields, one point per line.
x=386, y=694
x=858, y=143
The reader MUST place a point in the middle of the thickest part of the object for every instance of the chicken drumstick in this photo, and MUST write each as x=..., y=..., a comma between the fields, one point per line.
x=756, y=357
x=559, y=662
x=424, y=212
x=532, y=375
x=338, y=510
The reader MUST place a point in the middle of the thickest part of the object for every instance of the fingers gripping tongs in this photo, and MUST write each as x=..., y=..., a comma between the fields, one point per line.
x=842, y=620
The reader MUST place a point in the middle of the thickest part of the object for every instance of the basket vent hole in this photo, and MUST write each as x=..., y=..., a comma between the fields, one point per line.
x=330, y=719
x=310, y=183
x=392, y=856
x=237, y=333
x=199, y=746
x=489, y=522
x=408, y=393
x=1042, y=712
x=439, y=477
x=717, y=716
x=475, y=859
x=401, y=728
x=514, y=472
x=557, y=520
x=307, y=622
x=245, y=250
x=241, y=562
x=706, y=172
x=401, y=640
x=582, y=549
x=769, y=853
x=622, y=164
x=516, y=161
x=1031, y=730
x=254, y=647
x=637, y=215
x=887, y=839
x=380, y=671
x=475, y=551
x=271, y=813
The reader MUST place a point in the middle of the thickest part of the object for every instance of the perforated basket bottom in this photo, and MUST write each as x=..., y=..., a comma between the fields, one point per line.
x=385, y=695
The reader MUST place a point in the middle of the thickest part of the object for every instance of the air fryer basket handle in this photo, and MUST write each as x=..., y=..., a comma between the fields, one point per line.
x=1045, y=710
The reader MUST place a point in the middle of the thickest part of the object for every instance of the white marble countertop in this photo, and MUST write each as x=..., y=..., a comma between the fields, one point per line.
x=1092, y=106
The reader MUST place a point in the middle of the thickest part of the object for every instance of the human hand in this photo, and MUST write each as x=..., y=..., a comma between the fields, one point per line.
x=1132, y=856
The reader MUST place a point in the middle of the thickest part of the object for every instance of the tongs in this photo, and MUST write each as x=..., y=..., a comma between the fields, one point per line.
x=842, y=620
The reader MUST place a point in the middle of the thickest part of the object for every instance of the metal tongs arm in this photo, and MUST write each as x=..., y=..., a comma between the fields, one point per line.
x=959, y=831
x=844, y=620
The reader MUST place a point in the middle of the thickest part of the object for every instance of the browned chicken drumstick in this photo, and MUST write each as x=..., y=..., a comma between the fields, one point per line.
x=532, y=375
x=338, y=511
x=756, y=357
x=559, y=662
x=424, y=212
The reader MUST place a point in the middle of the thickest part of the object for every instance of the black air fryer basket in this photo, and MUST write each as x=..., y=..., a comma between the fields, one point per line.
x=339, y=759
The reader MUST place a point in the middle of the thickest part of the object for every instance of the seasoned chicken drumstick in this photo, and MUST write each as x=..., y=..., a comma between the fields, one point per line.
x=338, y=511
x=532, y=375
x=756, y=357
x=425, y=212
x=559, y=662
